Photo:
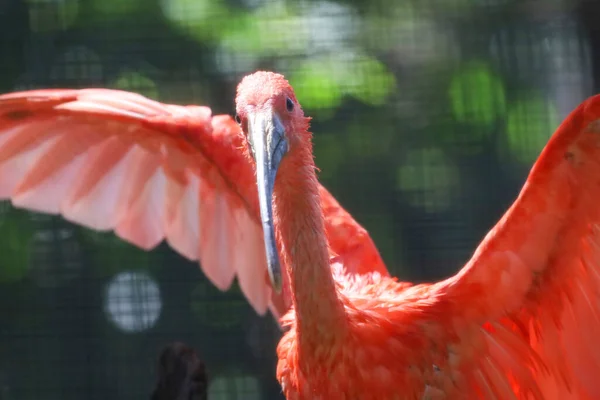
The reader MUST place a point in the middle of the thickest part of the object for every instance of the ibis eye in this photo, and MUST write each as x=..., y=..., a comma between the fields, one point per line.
x=289, y=104
x=238, y=119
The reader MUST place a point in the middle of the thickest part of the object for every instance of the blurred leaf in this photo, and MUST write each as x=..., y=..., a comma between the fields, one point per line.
x=203, y=20
x=428, y=179
x=315, y=85
x=17, y=235
x=372, y=82
x=386, y=20
x=136, y=82
x=529, y=124
x=321, y=82
x=477, y=95
x=273, y=29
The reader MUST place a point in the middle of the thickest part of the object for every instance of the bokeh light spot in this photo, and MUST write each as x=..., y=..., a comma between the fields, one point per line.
x=274, y=29
x=321, y=82
x=315, y=85
x=477, y=95
x=200, y=19
x=372, y=82
x=133, y=302
x=529, y=125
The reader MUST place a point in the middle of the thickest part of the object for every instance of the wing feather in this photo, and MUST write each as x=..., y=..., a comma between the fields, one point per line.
x=539, y=268
x=217, y=233
x=250, y=265
x=142, y=223
x=114, y=160
x=96, y=190
x=142, y=165
x=181, y=220
x=13, y=168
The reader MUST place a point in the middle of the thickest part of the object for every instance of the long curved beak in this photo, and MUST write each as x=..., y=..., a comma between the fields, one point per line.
x=268, y=143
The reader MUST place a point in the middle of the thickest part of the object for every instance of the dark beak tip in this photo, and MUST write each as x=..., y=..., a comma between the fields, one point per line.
x=275, y=276
x=277, y=285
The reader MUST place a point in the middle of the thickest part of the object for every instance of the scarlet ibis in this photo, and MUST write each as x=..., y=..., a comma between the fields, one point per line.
x=508, y=325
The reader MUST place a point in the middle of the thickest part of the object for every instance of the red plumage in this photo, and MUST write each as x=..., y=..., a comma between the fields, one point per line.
x=517, y=322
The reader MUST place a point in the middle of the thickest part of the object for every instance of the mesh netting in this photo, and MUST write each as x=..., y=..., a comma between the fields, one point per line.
x=427, y=116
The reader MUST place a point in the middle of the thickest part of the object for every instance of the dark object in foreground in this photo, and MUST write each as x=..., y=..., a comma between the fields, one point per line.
x=181, y=374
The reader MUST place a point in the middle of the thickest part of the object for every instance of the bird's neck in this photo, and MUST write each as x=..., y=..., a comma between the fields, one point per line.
x=301, y=232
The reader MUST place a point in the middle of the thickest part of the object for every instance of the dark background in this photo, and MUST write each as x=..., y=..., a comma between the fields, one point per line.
x=427, y=117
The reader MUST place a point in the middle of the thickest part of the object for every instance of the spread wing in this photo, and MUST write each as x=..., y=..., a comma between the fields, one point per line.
x=114, y=160
x=534, y=281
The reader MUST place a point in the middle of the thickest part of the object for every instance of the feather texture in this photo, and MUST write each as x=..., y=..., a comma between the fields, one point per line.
x=114, y=160
x=517, y=322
